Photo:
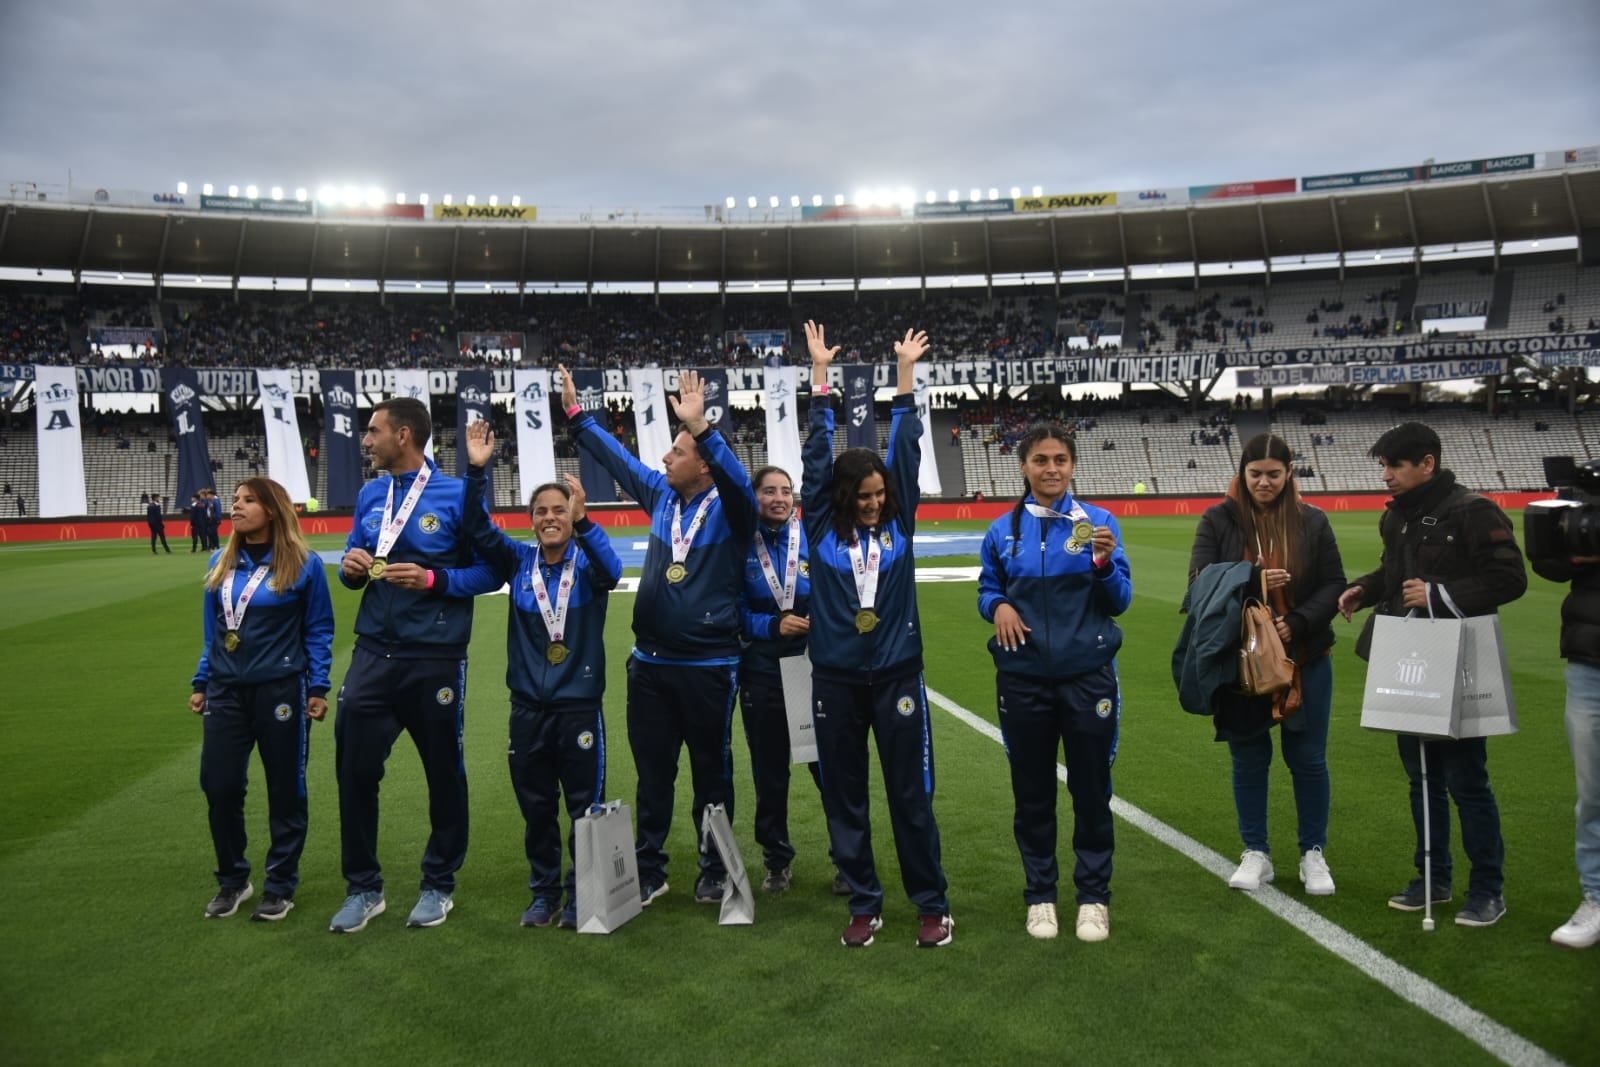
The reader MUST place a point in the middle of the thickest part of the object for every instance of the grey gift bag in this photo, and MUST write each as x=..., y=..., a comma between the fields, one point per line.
x=1438, y=678
x=738, y=903
x=608, y=870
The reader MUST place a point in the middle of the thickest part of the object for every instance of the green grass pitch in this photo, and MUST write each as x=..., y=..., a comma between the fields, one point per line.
x=105, y=866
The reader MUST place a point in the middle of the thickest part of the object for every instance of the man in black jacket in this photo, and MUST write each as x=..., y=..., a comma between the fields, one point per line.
x=1580, y=647
x=1448, y=552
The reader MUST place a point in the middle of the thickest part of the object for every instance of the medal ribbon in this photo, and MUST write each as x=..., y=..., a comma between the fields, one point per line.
x=866, y=569
x=681, y=541
x=555, y=619
x=784, y=593
x=233, y=614
x=1039, y=511
x=393, y=523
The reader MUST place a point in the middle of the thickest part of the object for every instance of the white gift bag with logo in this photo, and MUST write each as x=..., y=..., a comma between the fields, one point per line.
x=738, y=903
x=1438, y=678
x=796, y=671
x=607, y=869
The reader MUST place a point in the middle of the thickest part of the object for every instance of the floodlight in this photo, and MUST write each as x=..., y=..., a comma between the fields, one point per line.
x=422, y=198
x=233, y=190
x=419, y=285
x=906, y=196
x=300, y=193
x=516, y=201
x=350, y=196
x=374, y=196
x=932, y=196
x=399, y=198
x=816, y=199
x=1016, y=191
x=471, y=200
x=277, y=192
x=794, y=201
x=732, y=203
x=994, y=194
x=252, y=191
x=772, y=201
x=752, y=201
x=494, y=199
x=328, y=195
x=448, y=200
x=197, y=279
x=977, y=194
x=1038, y=190
x=953, y=195
x=183, y=188
x=838, y=200
x=863, y=196
x=206, y=189
x=119, y=276
x=347, y=283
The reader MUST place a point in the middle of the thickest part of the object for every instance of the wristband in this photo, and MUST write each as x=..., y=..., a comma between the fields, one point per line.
x=430, y=581
x=820, y=390
x=574, y=411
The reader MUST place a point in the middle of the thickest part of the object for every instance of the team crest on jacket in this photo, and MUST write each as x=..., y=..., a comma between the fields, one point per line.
x=586, y=740
x=905, y=706
x=805, y=568
x=282, y=712
x=885, y=540
x=429, y=523
x=445, y=696
x=1103, y=709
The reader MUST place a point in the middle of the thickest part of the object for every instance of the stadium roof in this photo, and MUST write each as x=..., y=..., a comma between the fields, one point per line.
x=167, y=241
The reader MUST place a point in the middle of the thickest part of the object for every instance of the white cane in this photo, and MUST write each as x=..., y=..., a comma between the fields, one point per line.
x=1427, y=843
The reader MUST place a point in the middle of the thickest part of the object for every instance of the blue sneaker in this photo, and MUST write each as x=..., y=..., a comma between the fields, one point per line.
x=648, y=891
x=431, y=909
x=358, y=908
x=569, y=917
x=540, y=913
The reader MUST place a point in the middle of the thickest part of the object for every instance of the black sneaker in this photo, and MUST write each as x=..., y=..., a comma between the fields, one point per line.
x=708, y=890
x=1481, y=911
x=569, y=917
x=227, y=901
x=272, y=908
x=1410, y=898
x=778, y=879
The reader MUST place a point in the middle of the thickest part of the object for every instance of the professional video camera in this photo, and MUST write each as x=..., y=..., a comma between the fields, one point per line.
x=1569, y=525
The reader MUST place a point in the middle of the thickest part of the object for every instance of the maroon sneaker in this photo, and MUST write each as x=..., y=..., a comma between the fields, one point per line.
x=859, y=933
x=935, y=931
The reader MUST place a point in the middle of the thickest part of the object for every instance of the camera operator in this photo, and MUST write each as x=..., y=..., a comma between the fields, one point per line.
x=1562, y=547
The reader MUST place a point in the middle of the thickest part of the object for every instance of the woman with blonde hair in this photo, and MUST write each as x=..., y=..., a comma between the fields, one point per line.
x=1264, y=521
x=262, y=679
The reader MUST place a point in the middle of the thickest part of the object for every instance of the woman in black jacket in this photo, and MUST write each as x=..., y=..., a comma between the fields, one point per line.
x=1265, y=522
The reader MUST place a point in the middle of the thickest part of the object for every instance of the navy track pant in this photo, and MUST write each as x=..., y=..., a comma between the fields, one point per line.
x=552, y=753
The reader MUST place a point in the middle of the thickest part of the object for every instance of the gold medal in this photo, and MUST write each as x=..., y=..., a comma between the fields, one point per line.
x=866, y=621
x=557, y=653
x=677, y=573
x=1083, y=531
x=230, y=640
x=376, y=570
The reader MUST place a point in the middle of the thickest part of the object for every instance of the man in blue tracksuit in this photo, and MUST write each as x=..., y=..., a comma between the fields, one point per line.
x=775, y=606
x=683, y=672
x=866, y=650
x=555, y=666
x=408, y=671
x=1052, y=580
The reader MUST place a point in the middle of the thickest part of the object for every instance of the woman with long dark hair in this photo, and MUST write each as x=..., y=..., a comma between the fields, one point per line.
x=866, y=650
x=262, y=679
x=1053, y=578
x=1264, y=521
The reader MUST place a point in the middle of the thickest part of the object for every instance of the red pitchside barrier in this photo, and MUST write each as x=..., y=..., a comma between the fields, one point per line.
x=606, y=515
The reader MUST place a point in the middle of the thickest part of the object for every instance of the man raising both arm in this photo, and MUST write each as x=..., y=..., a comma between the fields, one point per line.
x=683, y=672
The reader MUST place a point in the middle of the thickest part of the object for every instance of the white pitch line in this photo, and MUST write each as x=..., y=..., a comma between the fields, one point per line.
x=1494, y=1038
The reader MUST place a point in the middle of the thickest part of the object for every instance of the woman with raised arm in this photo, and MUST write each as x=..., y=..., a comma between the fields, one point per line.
x=866, y=650
x=1053, y=579
x=555, y=666
x=262, y=679
x=1263, y=521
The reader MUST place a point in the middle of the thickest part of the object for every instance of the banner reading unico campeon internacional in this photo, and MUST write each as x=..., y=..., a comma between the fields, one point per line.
x=1065, y=201
x=485, y=214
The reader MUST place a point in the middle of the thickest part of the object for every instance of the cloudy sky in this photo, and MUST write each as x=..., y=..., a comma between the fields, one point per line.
x=661, y=103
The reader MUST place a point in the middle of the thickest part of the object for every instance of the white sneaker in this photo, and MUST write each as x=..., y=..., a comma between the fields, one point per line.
x=1094, y=922
x=1255, y=870
x=1042, y=921
x=1582, y=930
x=1314, y=874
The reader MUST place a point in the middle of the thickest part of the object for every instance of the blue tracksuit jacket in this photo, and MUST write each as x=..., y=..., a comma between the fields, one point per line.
x=283, y=635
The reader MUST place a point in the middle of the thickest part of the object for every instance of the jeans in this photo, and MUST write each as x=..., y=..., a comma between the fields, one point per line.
x=1305, y=753
x=1583, y=732
x=1460, y=768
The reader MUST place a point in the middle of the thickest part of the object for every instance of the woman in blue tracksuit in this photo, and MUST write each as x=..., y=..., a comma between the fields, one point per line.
x=866, y=650
x=1053, y=578
x=774, y=609
x=262, y=678
x=555, y=666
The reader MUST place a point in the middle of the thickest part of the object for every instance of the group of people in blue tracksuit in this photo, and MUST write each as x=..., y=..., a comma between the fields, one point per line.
x=734, y=583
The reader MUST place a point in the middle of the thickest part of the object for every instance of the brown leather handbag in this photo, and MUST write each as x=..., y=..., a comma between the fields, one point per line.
x=1264, y=665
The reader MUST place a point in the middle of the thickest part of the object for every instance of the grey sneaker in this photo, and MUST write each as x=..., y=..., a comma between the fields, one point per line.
x=272, y=908
x=432, y=907
x=778, y=879
x=1410, y=898
x=841, y=885
x=708, y=889
x=227, y=901
x=1481, y=911
x=358, y=908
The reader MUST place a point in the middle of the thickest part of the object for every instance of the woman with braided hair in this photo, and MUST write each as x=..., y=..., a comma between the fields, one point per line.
x=1053, y=578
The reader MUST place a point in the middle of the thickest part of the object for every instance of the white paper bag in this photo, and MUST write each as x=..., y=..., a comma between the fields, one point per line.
x=1443, y=678
x=738, y=903
x=608, y=870
x=796, y=672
